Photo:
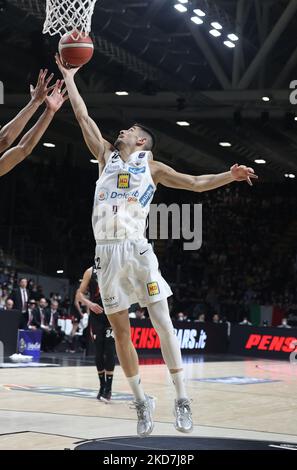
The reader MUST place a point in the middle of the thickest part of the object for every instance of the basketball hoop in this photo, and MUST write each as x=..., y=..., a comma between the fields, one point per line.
x=65, y=16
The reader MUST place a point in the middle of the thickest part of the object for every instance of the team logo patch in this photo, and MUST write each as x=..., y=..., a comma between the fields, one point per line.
x=136, y=171
x=146, y=195
x=132, y=199
x=103, y=194
x=153, y=288
x=124, y=181
x=141, y=155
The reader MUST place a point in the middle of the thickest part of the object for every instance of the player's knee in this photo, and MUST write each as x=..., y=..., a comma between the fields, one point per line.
x=122, y=337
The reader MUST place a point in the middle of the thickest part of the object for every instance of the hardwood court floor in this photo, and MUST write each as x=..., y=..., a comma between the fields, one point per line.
x=53, y=408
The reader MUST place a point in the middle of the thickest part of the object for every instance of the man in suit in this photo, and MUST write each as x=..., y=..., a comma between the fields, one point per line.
x=31, y=308
x=47, y=319
x=53, y=314
x=20, y=297
x=40, y=320
x=40, y=314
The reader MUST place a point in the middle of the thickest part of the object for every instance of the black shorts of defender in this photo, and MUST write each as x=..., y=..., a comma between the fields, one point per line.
x=104, y=348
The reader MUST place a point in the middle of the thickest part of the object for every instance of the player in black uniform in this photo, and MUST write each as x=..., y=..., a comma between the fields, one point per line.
x=101, y=332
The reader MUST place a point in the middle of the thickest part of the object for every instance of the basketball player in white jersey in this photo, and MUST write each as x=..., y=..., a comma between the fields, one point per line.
x=54, y=98
x=126, y=265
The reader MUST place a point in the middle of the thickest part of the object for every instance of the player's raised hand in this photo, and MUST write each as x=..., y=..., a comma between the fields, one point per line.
x=243, y=173
x=57, y=97
x=66, y=70
x=42, y=89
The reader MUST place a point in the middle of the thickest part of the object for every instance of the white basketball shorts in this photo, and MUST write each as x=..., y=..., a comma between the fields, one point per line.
x=128, y=272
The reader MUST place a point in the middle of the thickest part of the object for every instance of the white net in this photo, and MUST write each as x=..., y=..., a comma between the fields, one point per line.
x=65, y=16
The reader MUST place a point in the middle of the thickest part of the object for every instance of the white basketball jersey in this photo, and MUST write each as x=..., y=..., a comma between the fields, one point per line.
x=123, y=195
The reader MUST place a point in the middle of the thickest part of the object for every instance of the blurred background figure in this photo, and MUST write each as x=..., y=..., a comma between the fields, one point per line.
x=284, y=324
x=20, y=297
x=245, y=321
x=8, y=304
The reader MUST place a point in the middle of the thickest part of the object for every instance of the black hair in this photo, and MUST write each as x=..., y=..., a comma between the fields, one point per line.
x=149, y=132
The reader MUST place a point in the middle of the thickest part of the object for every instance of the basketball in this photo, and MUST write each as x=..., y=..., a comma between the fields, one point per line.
x=75, y=50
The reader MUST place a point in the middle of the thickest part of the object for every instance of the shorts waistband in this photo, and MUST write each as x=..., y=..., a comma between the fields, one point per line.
x=118, y=241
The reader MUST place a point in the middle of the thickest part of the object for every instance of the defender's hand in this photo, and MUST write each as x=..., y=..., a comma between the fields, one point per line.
x=41, y=90
x=95, y=308
x=58, y=96
x=243, y=173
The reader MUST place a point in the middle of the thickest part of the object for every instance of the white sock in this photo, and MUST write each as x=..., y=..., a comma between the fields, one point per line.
x=135, y=384
x=178, y=380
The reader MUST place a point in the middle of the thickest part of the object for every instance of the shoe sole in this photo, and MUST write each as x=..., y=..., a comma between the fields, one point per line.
x=146, y=434
x=105, y=400
x=185, y=431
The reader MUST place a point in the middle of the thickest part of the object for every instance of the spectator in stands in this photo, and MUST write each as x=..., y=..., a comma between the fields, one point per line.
x=8, y=305
x=133, y=309
x=20, y=297
x=216, y=318
x=284, y=323
x=33, y=290
x=40, y=313
x=139, y=314
x=201, y=318
x=3, y=296
x=56, y=334
x=245, y=321
x=181, y=316
x=47, y=319
x=31, y=308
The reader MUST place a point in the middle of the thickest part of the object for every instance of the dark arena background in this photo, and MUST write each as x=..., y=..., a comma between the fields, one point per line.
x=215, y=80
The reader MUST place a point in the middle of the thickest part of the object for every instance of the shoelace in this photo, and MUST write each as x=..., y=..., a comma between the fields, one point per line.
x=184, y=405
x=140, y=408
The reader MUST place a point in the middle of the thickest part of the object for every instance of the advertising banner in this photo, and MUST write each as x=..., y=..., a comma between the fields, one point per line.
x=267, y=342
x=29, y=342
x=193, y=337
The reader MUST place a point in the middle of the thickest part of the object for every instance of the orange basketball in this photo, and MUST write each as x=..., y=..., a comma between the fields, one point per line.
x=75, y=50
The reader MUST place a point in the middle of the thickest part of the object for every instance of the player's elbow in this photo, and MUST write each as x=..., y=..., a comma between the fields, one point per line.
x=78, y=296
x=24, y=150
x=197, y=185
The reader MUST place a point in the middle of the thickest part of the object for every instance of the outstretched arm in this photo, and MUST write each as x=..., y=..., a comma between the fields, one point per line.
x=17, y=154
x=167, y=176
x=12, y=130
x=97, y=145
x=83, y=288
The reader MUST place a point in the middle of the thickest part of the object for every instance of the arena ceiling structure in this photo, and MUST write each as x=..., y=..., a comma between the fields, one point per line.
x=173, y=70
